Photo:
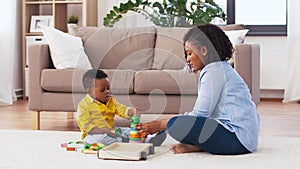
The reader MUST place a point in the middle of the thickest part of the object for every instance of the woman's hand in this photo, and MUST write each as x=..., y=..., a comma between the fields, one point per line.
x=149, y=127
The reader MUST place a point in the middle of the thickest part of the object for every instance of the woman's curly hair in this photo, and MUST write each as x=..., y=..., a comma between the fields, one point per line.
x=216, y=41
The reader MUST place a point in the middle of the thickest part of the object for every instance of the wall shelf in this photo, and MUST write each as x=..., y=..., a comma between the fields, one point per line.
x=86, y=10
x=34, y=34
x=39, y=2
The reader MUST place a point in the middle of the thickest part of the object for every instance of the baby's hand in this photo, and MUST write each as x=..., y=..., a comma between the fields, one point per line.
x=132, y=111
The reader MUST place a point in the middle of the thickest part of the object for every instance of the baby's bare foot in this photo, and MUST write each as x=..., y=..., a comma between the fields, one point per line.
x=184, y=148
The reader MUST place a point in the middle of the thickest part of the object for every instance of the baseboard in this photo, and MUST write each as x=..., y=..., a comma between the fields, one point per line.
x=19, y=93
x=271, y=94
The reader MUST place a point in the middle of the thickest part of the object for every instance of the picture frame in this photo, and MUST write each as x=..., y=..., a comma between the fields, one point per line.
x=37, y=20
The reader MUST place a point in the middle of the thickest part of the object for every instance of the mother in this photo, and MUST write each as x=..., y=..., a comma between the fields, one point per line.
x=224, y=119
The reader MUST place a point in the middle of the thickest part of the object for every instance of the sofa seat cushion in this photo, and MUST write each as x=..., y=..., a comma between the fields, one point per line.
x=121, y=81
x=70, y=80
x=166, y=82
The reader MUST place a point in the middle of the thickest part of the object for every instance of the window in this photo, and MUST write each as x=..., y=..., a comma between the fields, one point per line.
x=269, y=18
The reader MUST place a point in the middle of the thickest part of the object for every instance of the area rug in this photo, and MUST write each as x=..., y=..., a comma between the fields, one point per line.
x=25, y=149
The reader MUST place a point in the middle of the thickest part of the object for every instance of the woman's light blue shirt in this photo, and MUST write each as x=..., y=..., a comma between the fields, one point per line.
x=224, y=96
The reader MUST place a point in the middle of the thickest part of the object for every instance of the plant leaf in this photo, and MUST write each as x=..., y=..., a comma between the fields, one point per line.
x=163, y=14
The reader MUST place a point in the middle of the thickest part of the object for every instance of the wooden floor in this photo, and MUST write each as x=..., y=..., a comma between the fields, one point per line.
x=277, y=118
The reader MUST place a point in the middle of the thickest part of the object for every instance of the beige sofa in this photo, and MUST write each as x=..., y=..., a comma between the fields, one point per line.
x=145, y=67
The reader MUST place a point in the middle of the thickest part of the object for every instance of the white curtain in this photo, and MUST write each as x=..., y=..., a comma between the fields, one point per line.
x=292, y=90
x=8, y=32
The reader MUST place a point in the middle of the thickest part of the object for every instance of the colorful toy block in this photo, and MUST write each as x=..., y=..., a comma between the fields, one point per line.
x=134, y=135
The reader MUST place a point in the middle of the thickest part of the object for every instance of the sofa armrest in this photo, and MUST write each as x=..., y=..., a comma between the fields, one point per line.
x=38, y=59
x=247, y=64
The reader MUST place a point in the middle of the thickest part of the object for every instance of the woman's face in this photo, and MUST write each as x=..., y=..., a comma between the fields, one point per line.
x=195, y=56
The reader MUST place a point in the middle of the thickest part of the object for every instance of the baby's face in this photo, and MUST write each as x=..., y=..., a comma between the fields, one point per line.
x=100, y=91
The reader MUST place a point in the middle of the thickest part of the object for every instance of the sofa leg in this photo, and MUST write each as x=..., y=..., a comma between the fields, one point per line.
x=35, y=120
x=70, y=115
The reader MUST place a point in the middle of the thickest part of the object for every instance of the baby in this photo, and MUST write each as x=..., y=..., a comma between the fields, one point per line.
x=96, y=111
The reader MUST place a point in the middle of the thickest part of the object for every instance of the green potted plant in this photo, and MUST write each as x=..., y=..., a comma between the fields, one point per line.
x=169, y=13
x=72, y=23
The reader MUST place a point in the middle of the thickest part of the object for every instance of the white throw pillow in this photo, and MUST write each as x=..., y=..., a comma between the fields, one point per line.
x=66, y=50
x=236, y=36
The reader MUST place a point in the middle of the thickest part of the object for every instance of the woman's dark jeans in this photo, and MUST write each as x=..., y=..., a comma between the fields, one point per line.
x=205, y=133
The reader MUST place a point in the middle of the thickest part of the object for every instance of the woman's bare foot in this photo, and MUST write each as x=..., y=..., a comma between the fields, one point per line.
x=184, y=148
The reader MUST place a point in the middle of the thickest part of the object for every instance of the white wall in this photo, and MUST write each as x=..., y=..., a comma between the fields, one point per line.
x=273, y=60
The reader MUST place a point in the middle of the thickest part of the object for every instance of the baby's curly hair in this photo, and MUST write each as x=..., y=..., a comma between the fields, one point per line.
x=213, y=37
x=89, y=77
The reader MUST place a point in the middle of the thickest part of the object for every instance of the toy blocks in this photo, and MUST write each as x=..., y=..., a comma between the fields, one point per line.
x=135, y=136
x=80, y=146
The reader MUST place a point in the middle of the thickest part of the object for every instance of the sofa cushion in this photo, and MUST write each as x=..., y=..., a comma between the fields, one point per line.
x=58, y=80
x=165, y=82
x=70, y=80
x=232, y=27
x=237, y=36
x=121, y=48
x=169, y=50
x=83, y=32
x=121, y=81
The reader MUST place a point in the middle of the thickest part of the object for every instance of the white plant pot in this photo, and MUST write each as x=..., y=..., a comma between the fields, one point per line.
x=72, y=28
